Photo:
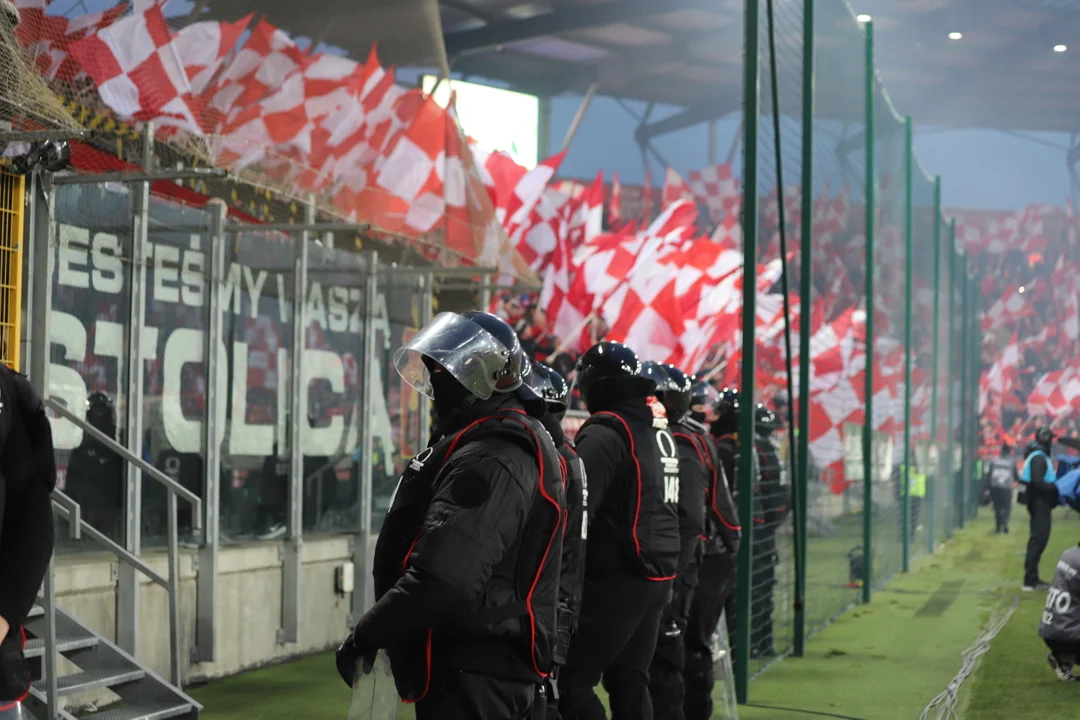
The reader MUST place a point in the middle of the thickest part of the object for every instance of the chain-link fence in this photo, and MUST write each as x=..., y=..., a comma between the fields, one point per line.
x=883, y=320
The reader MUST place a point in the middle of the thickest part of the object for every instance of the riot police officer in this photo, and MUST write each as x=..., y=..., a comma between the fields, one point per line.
x=703, y=395
x=551, y=386
x=632, y=552
x=27, y=479
x=716, y=577
x=466, y=566
x=666, y=683
x=771, y=506
x=1001, y=477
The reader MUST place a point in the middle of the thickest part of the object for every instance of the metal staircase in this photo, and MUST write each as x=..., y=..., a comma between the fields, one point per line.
x=143, y=694
x=101, y=665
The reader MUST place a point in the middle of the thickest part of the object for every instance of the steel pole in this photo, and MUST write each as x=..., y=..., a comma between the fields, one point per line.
x=127, y=590
x=867, y=429
x=293, y=561
x=806, y=257
x=751, y=111
x=950, y=470
x=909, y=217
x=207, y=590
x=931, y=490
x=42, y=232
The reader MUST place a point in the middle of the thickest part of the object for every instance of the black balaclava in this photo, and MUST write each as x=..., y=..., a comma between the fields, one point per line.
x=698, y=417
x=449, y=398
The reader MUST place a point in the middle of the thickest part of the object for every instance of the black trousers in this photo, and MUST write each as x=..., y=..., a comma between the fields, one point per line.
x=1002, y=499
x=615, y=641
x=1039, y=510
x=456, y=695
x=667, y=686
x=1063, y=650
x=716, y=580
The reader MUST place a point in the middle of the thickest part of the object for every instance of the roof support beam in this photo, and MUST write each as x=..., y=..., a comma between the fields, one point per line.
x=562, y=21
x=694, y=115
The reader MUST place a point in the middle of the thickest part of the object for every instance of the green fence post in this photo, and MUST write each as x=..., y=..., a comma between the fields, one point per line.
x=972, y=388
x=867, y=431
x=931, y=490
x=976, y=358
x=806, y=255
x=964, y=330
x=909, y=154
x=747, y=464
x=950, y=496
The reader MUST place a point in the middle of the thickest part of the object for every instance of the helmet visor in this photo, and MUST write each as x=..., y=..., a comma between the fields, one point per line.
x=462, y=348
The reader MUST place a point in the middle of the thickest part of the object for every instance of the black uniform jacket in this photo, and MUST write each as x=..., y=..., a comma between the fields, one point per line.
x=466, y=566
x=27, y=479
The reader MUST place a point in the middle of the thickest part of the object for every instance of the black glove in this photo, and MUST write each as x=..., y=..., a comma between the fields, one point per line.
x=349, y=654
x=14, y=672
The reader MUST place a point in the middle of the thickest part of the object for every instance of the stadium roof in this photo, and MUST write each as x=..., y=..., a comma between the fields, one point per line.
x=680, y=52
x=1003, y=73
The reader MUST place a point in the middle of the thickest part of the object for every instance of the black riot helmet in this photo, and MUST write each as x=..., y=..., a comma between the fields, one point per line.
x=608, y=372
x=765, y=420
x=1044, y=436
x=478, y=350
x=678, y=393
x=101, y=413
x=656, y=372
x=702, y=397
x=727, y=413
x=550, y=386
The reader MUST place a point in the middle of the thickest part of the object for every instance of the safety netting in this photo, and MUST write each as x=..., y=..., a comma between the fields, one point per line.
x=938, y=514
x=779, y=164
x=887, y=333
x=925, y=226
x=834, y=533
x=27, y=102
x=294, y=120
x=887, y=327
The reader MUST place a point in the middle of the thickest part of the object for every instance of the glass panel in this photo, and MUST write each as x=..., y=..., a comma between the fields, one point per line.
x=89, y=326
x=396, y=418
x=256, y=331
x=334, y=342
x=174, y=385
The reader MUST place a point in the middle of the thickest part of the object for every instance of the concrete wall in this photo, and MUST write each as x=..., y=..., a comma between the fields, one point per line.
x=249, y=605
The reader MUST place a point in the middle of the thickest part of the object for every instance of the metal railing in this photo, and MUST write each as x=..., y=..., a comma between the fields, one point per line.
x=70, y=510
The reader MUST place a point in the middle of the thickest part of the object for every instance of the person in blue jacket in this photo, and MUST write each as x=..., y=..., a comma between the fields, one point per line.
x=1068, y=481
x=1041, y=496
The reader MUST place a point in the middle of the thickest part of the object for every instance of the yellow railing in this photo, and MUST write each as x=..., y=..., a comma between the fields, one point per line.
x=12, y=211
